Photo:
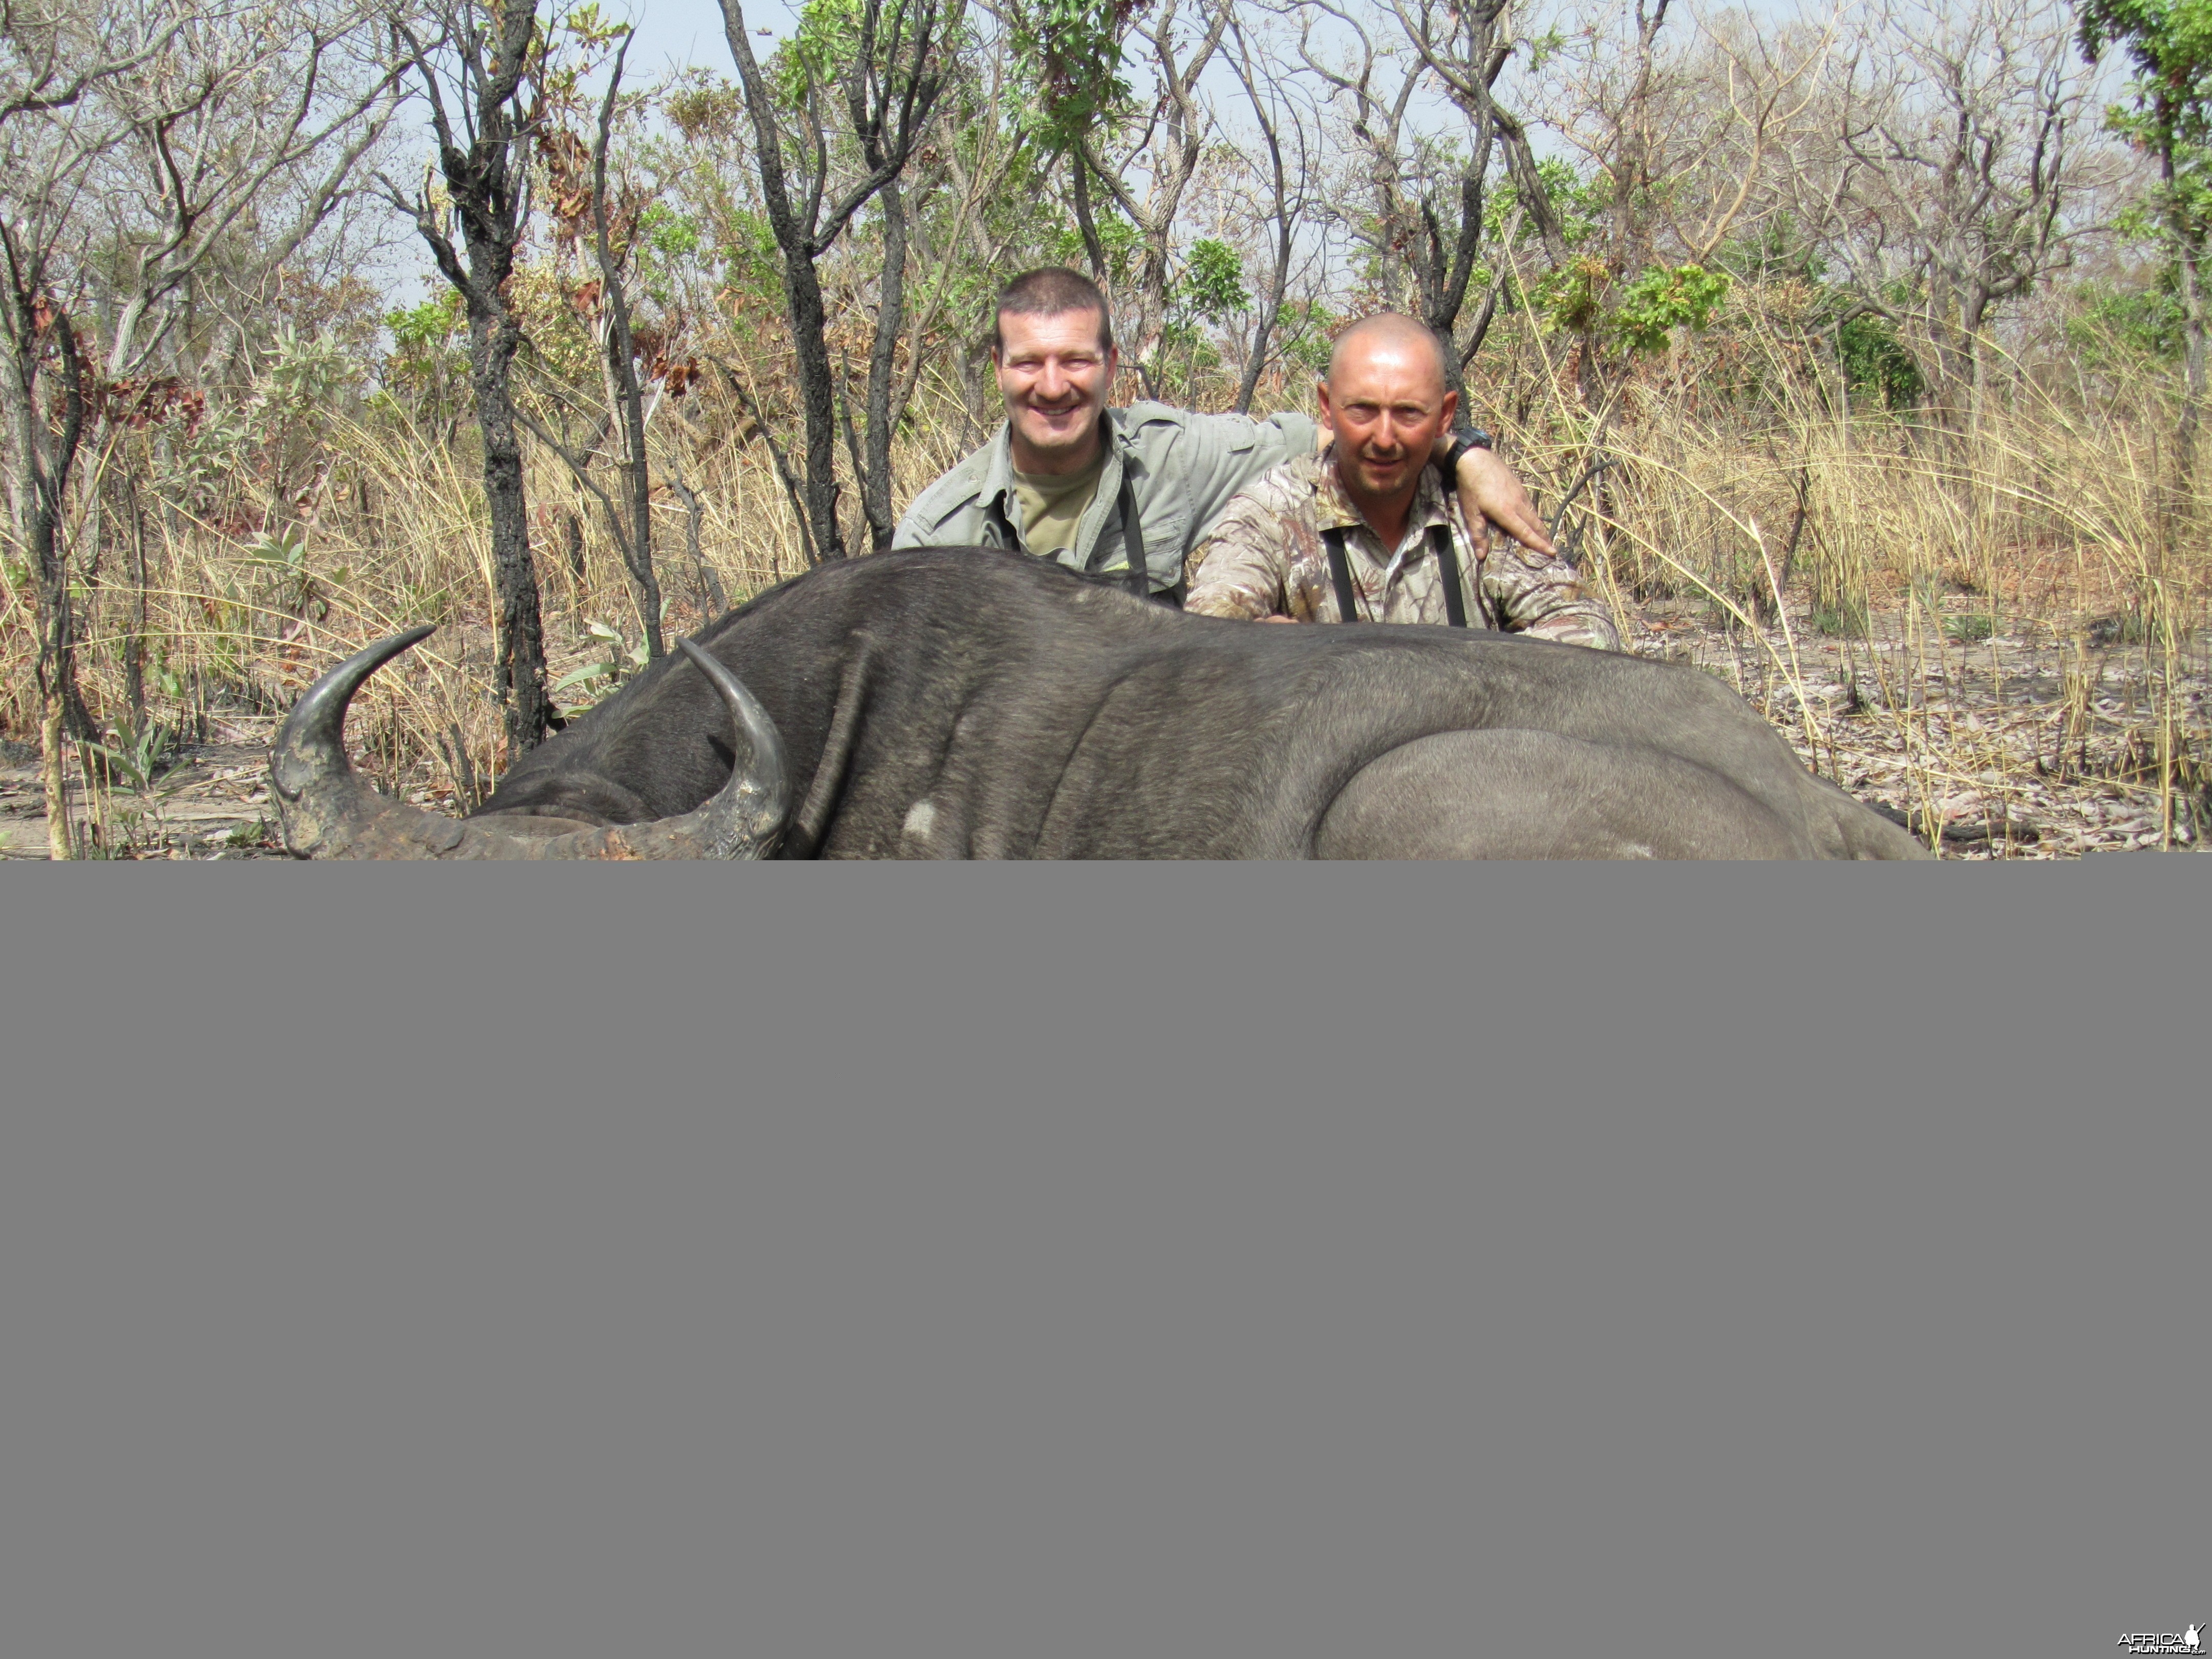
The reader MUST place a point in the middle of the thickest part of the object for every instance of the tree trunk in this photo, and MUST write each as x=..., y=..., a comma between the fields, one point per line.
x=43, y=457
x=802, y=291
x=486, y=196
x=2188, y=255
x=1446, y=268
x=883, y=359
x=492, y=339
x=1085, y=218
x=134, y=641
x=626, y=398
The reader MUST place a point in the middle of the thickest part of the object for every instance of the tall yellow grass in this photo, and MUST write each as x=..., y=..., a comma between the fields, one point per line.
x=1798, y=531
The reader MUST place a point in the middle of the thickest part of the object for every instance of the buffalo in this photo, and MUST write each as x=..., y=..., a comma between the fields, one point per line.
x=962, y=703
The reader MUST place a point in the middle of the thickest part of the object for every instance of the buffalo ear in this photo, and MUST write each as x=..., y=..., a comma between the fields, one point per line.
x=725, y=752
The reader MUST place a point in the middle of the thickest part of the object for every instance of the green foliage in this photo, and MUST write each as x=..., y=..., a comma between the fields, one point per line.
x=1569, y=297
x=1876, y=363
x=1073, y=49
x=666, y=241
x=1576, y=204
x=588, y=28
x=1116, y=236
x=1661, y=301
x=667, y=233
x=1301, y=337
x=1213, y=286
x=1969, y=627
x=284, y=550
x=596, y=679
x=2169, y=45
x=430, y=325
x=1580, y=297
x=307, y=374
x=2146, y=322
x=823, y=48
x=1846, y=618
x=703, y=107
x=139, y=755
x=427, y=359
x=826, y=47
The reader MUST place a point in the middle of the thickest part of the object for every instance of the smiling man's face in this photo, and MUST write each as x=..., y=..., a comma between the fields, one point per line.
x=1054, y=376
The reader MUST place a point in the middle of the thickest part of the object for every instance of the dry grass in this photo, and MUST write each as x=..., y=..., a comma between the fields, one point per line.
x=2014, y=606
x=1958, y=624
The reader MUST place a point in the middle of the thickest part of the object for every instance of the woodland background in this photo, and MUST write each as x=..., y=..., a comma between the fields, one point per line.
x=1858, y=355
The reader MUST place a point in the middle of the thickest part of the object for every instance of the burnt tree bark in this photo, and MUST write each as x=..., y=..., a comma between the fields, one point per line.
x=486, y=177
x=883, y=358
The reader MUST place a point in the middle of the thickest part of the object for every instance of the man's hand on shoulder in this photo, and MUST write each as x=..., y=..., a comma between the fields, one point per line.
x=1488, y=489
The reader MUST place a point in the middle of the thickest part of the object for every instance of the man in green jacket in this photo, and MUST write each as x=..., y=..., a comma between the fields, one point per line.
x=1127, y=490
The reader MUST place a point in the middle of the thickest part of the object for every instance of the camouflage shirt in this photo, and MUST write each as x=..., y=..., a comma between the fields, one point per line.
x=1264, y=557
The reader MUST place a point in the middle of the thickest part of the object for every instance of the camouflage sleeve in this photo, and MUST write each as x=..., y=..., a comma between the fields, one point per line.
x=1238, y=570
x=1541, y=595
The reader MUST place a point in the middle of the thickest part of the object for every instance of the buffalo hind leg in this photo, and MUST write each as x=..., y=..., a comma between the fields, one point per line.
x=1521, y=794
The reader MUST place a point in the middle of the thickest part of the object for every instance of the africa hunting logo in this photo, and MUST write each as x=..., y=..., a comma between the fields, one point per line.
x=2145, y=1641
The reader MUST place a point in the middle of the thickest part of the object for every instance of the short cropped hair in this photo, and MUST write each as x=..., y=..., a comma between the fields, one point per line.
x=1050, y=291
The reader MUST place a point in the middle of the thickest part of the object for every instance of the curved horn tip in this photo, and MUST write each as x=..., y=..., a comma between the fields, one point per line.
x=746, y=712
x=312, y=738
x=766, y=779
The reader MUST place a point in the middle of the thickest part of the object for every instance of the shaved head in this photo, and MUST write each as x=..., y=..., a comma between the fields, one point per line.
x=1387, y=331
x=1387, y=404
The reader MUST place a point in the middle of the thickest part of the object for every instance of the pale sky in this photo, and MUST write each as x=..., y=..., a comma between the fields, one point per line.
x=683, y=33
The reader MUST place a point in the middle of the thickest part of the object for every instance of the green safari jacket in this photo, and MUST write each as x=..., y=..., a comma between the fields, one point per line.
x=1182, y=468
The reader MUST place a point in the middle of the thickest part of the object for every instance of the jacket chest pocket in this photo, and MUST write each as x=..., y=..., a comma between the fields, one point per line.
x=1163, y=521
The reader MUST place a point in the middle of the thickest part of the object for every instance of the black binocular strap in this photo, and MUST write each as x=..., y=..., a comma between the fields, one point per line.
x=1001, y=533
x=1133, y=540
x=1440, y=544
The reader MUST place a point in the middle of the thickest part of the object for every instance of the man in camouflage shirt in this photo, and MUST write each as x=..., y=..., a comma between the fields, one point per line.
x=1068, y=479
x=1265, y=558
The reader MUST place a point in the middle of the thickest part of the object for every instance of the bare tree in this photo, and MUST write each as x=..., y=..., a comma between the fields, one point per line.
x=1286, y=198
x=890, y=73
x=55, y=128
x=1675, y=119
x=618, y=353
x=258, y=120
x=1430, y=196
x=1952, y=156
x=484, y=160
x=1164, y=149
x=980, y=152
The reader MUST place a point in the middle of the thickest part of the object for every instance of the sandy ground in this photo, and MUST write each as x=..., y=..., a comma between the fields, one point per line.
x=1978, y=739
x=215, y=804
x=1980, y=743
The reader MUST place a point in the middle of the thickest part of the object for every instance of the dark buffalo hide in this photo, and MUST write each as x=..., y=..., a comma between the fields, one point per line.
x=951, y=702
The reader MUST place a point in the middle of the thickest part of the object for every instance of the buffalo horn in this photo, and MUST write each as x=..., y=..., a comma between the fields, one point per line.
x=328, y=812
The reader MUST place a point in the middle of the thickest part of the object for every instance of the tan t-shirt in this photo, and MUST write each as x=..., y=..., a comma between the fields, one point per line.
x=1052, y=504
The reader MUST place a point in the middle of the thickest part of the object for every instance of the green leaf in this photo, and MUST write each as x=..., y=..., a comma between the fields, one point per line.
x=590, y=672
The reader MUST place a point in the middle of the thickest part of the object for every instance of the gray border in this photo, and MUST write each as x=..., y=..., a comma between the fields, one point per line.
x=1177, y=1261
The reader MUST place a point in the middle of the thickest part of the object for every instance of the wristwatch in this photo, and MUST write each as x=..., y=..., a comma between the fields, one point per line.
x=1462, y=439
